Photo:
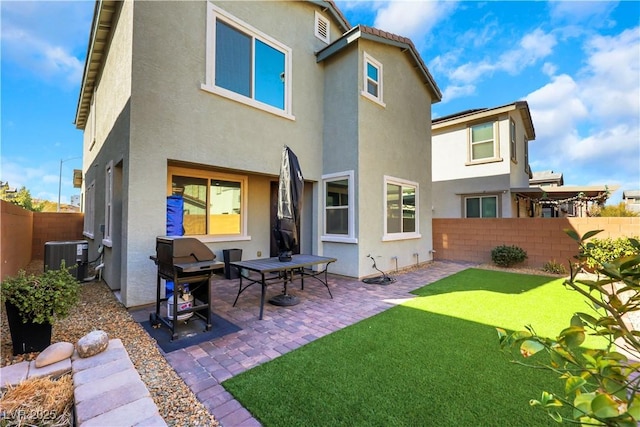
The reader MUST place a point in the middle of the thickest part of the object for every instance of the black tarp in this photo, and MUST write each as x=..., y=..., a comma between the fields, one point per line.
x=290, y=187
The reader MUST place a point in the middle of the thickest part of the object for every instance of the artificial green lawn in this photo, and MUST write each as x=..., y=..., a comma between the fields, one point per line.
x=434, y=360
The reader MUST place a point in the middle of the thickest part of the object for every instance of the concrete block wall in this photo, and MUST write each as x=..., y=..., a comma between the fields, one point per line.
x=543, y=239
x=16, y=235
x=23, y=234
x=53, y=227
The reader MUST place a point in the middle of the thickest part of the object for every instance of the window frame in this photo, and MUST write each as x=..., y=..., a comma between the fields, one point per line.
x=89, y=210
x=480, y=197
x=496, y=143
x=513, y=140
x=370, y=60
x=402, y=183
x=350, y=237
x=107, y=239
x=215, y=13
x=210, y=175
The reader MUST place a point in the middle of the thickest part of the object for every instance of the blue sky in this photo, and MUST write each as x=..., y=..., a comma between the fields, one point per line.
x=576, y=63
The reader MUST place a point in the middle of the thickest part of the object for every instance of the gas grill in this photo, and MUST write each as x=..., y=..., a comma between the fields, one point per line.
x=189, y=264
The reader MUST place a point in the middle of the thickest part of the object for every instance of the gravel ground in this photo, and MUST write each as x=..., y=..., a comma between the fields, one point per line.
x=99, y=309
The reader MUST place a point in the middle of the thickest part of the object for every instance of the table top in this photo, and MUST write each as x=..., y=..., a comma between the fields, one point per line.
x=268, y=265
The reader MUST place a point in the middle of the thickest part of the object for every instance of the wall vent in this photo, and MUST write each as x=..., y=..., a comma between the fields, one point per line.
x=322, y=27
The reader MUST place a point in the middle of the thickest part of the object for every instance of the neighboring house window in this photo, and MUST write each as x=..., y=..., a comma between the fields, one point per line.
x=512, y=140
x=246, y=65
x=214, y=203
x=339, y=209
x=108, y=204
x=322, y=28
x=481, y=207
x=372, y=84
x=527, y=168
x=401, y=215
x=482, y=142
x=89, y=209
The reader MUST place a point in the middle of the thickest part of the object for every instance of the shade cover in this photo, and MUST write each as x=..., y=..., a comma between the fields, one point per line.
x=290, y=187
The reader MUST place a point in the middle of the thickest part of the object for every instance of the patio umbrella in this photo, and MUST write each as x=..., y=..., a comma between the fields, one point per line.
x=290, y=186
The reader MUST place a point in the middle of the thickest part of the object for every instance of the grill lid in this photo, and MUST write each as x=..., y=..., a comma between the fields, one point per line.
x=182, y=250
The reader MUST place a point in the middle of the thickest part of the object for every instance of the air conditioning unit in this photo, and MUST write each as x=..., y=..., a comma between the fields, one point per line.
x=75, y=254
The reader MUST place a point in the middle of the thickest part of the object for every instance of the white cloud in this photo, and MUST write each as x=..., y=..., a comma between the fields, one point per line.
x=34, y=40
x=582, y=11
x=531, y=48
x=556, y=107
x=589, y=124
x=413, y=19
x=452, y=92
x=612, y=86
x=549, y=69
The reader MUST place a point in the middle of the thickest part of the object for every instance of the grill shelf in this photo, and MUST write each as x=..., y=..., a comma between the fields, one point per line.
x=184, y=261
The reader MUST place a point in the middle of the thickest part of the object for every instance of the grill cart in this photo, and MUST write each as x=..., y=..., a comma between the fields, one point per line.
x=188, y=264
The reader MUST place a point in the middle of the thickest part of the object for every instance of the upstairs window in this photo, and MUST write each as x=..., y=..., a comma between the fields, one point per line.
x=527, y=168
x=372, y=84
x=246, y=65
x=322, y=27
x=482, y=142
x=512, y=140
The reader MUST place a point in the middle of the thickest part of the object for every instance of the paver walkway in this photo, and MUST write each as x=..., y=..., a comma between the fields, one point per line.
x=204, y=366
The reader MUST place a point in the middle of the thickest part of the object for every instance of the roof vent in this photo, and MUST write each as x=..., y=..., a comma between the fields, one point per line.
x=322, y=26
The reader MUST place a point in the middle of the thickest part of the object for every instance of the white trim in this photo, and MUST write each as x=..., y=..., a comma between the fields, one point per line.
x=108, y=204
x=368, y=59
x=214, y=175
x=350, y=237
x=402, y=183
x=318, y=20
x=214, y=13
x=480, y=197
x=496, y=143
x=89, y=209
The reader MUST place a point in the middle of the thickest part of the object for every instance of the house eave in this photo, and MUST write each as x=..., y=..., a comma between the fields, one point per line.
x=101, y=27
x=479, y=114
x=357, y=33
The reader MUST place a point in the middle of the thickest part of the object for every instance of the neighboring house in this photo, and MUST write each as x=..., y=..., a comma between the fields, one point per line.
x=631, y=199
x=480, y=158
x=199, y=98
x=546, y=178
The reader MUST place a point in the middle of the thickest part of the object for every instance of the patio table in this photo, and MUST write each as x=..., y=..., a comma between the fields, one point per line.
x=273, y=271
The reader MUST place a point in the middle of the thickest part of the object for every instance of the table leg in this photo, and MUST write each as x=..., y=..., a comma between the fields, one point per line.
x=264, y=288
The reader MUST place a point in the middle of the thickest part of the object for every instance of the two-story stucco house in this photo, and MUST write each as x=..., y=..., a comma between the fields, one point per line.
x=480, y=161
x=198, y=98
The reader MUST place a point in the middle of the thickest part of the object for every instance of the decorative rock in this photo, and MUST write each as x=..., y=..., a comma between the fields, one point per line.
x=54, y=353
x=93, y=343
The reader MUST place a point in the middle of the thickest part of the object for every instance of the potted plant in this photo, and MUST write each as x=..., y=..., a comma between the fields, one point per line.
x=33, y=302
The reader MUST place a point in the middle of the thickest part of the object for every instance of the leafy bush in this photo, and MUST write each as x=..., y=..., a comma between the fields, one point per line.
x=554, y=267
x=507, y=256
x=619, y=210
x=602, y=386
x=599, y=251
x=44, y=297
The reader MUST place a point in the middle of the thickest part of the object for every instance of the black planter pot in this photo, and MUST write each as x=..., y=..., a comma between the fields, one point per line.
x=27, y=337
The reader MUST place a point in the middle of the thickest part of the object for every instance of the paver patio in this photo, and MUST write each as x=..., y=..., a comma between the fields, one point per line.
x=204, y=366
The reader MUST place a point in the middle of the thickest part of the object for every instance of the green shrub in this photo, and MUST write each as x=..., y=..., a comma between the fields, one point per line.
x=601, y=385
x=554, y=267
x=599, y=251
x=507, y=256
